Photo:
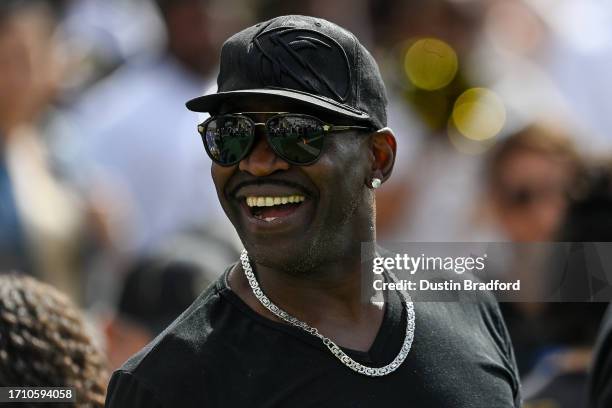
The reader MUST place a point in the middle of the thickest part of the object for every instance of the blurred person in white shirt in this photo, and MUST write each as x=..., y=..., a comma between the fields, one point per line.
x=141, y=145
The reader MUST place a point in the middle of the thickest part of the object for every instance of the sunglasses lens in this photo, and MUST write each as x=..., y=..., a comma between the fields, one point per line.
x=298, y=139
x=227, y=138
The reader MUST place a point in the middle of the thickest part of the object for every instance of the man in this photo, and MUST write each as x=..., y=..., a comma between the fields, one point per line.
x=298, y=188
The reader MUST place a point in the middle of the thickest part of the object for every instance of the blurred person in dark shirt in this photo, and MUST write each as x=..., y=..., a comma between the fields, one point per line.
x=562, y=376
x=592, y=218
x=45, y=342
x=536, y=180
x=528, y=177
x=154, y=293
x=159, y=286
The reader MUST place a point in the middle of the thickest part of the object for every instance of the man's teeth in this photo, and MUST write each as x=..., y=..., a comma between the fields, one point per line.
x=272, y=201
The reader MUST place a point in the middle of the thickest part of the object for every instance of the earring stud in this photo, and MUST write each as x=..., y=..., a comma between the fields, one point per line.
x=375, y=183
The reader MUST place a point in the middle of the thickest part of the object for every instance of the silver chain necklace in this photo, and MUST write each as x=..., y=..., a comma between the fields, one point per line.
x=333, y=347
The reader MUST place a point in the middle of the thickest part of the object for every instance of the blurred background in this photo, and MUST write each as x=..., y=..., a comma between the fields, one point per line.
x=500, y=108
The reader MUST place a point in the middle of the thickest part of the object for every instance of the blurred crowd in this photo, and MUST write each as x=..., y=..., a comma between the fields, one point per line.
x=499, y=108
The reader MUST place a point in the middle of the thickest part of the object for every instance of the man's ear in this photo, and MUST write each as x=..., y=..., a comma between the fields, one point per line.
x=384, y=148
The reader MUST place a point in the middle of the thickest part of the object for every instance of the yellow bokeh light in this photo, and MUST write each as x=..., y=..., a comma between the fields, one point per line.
x=479, y=114
x=468, y=146
x=430, y=64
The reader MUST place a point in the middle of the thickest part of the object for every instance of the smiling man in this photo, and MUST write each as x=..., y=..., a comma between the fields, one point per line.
x=299, y=142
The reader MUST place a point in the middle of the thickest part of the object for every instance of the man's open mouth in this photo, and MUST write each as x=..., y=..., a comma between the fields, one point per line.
x=271, y=208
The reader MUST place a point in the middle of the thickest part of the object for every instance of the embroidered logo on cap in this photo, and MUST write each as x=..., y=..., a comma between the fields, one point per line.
x=302, y=59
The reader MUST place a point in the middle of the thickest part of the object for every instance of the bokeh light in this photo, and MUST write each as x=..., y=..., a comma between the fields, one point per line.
x=468, y=146
x=479, y=114
x=430, y=64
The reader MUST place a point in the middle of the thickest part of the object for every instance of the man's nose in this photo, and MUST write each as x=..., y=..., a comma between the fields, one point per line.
x=262, y=160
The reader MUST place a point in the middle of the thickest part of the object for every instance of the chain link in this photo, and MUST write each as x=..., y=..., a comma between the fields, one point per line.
x=333, y=347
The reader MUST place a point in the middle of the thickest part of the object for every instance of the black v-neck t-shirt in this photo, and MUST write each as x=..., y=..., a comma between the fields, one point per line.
x=221, y=353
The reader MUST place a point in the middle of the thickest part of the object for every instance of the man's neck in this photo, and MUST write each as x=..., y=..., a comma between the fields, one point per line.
x=328, y=298
x=333, y=287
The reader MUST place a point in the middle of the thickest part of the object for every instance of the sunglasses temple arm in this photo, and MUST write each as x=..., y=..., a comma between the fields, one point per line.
x=333, y=128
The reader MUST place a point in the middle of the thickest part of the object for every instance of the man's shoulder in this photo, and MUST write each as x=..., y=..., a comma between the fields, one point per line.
x=473, y=308
x=466, y=335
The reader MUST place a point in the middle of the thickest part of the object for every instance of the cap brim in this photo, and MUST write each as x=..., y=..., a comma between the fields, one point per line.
x=280, y=99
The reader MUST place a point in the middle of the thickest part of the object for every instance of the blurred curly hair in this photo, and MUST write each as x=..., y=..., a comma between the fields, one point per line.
x=44, y=341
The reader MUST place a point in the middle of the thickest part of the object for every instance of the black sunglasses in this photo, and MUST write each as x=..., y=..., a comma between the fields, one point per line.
x=296, y=138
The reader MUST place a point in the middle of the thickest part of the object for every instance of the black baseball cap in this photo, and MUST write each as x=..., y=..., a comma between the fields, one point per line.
x=156, y=291
x=298, y=61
